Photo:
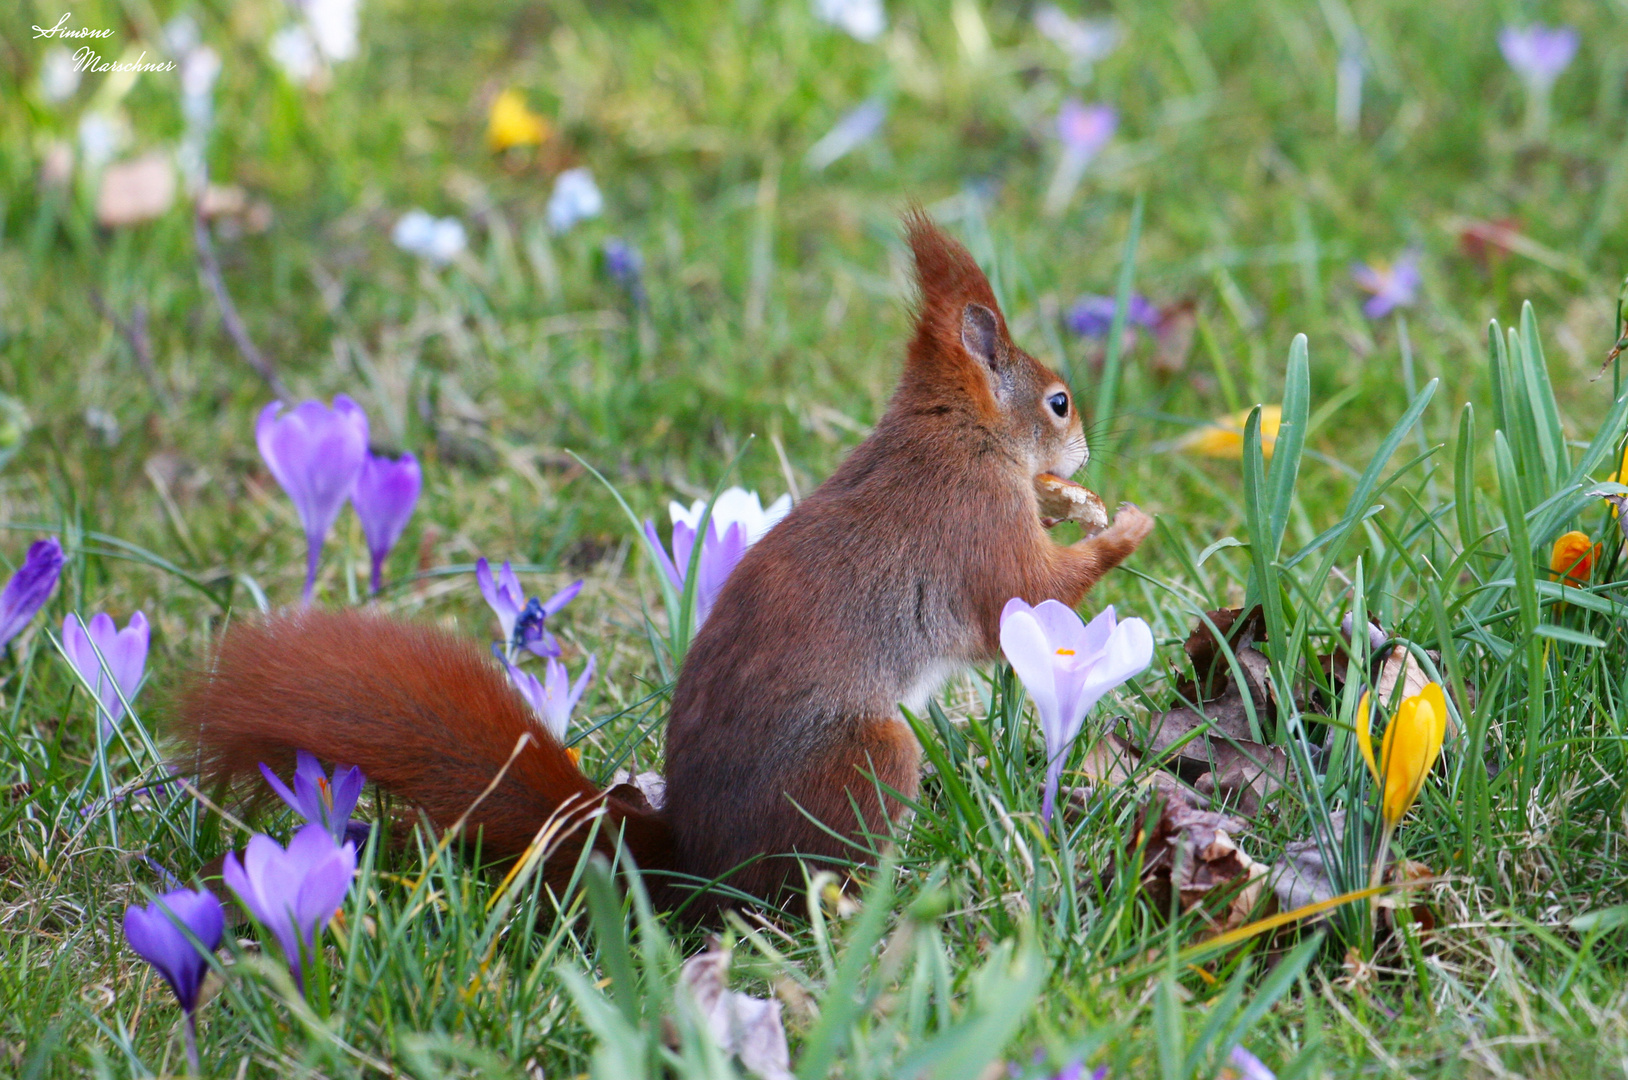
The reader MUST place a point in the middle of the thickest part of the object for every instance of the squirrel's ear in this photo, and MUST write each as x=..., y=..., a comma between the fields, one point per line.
x=981, y=337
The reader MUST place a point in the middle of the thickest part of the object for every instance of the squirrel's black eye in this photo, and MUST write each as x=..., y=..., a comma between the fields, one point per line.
x=1058, y=403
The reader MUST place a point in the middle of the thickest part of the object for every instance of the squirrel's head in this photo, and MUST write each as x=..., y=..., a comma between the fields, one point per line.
x=963, y=357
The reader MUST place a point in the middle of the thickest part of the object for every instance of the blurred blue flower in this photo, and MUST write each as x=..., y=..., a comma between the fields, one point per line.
x=1092, y=316
x=30, y=587
x=440, y=240
x=1086, y=41
x=863, y=20
x=316, y=453
x=1539, y=53
x=1393, y=286
x=625, y=266
x=293, y=892
x=576, y=198
x=386, y=492
x=316, y=798
x=859, y=126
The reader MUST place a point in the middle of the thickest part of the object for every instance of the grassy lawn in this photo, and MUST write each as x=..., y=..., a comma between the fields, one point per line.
x=1424, y=470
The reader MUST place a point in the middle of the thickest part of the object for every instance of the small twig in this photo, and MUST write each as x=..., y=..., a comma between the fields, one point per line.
x=134, y=332
x=209, y=266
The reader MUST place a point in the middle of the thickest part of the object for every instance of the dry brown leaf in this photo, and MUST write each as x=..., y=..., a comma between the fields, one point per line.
x=1192, y=851
x=1301, y=877
x=649, y=788
x=136, y=191
x=745, y=1027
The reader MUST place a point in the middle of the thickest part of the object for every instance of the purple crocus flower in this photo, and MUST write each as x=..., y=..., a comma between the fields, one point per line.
x=1067, y=666
x=1393, y=286
x=115, y=678
x=720, y=551
x=155, y=933
x=554, y=696
x=1092, y=316
x=315, y=797
x=1539, y=53
x=523, y=621
x=293, y=892
x=1248, y=1066
x=386, y=492
x=30, y=587
x=316, y=453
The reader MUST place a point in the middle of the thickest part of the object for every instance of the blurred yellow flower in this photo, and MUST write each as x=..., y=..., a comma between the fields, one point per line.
x=1571, y=560
x=1224, y=437
x=511, y=123
x=1412, y=743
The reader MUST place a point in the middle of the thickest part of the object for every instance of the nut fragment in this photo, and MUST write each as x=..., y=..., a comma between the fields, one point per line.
x=1064, y=500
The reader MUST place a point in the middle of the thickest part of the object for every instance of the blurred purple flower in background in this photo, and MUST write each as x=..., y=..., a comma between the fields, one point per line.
x=523, y=621
x=386, y=492
x=625, y=266
x=1248, y=1066
x=315, y=797
x=293, y=892
x=1093, y=316
x=316, y=453
x=856, y=128
x=30, y=587
x=124, y=653
x=1085, y=129
x=1082, y=131
x=1067, y=665
x=554, y=696
x=155, y=934
x=732, y=505
x=1539, y=53
x=1393, y=286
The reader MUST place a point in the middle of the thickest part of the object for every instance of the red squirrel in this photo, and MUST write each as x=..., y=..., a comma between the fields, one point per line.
x=785, y=719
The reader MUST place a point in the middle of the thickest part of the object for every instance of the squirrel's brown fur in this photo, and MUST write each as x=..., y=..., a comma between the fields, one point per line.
x=785, y=736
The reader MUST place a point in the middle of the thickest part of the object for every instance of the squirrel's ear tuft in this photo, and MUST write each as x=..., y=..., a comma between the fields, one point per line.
x=945, y=271
x=958, y=318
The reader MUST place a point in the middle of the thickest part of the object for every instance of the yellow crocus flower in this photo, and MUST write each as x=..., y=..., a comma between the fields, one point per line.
x=1571, y=560
x=1412, y=743
x=1224, y=437
x=511, y=123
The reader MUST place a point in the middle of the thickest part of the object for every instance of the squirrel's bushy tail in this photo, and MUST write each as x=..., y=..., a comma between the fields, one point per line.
x=423, y=712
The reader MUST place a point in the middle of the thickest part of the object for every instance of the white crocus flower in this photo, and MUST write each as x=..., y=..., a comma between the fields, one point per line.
x=734, y=505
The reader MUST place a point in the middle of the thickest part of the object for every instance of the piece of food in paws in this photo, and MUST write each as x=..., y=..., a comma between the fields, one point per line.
x=1064, y=500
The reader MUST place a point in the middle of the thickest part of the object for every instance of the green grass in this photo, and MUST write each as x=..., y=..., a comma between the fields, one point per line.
x=778, y=307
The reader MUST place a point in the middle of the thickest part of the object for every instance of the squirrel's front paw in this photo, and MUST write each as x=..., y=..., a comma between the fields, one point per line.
x=1131, y=524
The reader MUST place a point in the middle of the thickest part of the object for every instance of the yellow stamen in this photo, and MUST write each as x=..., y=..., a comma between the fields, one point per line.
x=1065, y=652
